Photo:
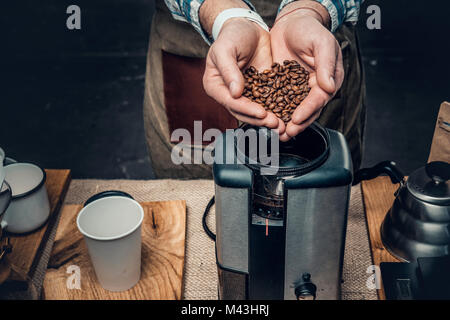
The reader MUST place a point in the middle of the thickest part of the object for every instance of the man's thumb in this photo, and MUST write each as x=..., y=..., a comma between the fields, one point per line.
x=234, y=81
x=326, y=80
x=230, y=72
x=326, y=67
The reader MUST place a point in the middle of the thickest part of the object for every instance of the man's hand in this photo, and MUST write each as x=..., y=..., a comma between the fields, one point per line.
x=240, y=44
x=301, y=36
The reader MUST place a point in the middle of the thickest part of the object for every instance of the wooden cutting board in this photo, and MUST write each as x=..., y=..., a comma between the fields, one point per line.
x=163, y=250
x=378, y=196
x=27, y=249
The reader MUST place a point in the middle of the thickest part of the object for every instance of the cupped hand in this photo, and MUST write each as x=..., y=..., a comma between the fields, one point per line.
x=301, y=36
x=240, y=44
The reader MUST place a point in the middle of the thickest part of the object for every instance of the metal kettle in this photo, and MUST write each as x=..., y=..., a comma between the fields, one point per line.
x=418, y=223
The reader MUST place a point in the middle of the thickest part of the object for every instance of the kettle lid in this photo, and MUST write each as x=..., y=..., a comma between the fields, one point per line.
x=431, y=183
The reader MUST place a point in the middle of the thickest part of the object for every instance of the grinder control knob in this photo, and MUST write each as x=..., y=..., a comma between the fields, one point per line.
x=305, y=290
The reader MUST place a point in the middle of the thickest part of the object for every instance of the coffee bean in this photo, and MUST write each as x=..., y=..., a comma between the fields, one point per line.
x=280, y=89
x=279, y=99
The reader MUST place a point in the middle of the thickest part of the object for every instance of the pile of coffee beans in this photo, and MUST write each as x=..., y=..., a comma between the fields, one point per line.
x=280, y=89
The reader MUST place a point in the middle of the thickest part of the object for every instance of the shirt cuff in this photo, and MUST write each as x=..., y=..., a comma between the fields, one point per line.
x=336, y=18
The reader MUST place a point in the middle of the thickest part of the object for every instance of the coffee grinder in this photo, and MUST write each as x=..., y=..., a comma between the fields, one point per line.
x=281, y=236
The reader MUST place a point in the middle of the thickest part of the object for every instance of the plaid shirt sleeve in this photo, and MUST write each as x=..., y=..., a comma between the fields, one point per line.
x=340, y=10
x=187, y=11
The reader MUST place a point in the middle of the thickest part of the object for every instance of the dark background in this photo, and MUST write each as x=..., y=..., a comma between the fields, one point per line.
x=73, y=98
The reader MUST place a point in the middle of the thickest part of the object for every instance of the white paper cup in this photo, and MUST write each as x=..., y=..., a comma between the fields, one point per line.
x=30, y=207
x=111, y=227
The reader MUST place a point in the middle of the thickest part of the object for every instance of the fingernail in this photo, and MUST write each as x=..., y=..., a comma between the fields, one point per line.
x=296, y=120
x=234, y=88
x=332, y=83
x=262, y=114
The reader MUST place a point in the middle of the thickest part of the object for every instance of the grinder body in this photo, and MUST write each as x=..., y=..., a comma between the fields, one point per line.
x=296, y=253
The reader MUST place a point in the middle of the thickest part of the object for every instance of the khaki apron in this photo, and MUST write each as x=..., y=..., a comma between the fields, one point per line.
x=174, y=95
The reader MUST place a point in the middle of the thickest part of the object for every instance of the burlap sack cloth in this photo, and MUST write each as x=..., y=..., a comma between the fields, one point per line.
x=200, y=272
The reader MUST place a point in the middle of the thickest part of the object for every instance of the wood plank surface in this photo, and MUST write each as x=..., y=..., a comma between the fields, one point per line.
x=378, y=196
x=27, y=248
x=163, y=250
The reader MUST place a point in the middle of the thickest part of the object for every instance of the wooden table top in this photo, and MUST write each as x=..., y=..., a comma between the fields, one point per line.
x=378, y=197
x=27, y=248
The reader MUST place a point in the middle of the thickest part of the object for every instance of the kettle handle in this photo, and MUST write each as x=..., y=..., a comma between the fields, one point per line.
x=388, y=167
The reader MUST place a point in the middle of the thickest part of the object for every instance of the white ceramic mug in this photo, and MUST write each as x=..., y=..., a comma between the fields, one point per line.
x=2, y=170
x=4, y=159
x=29, y=208
x=111, y=227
